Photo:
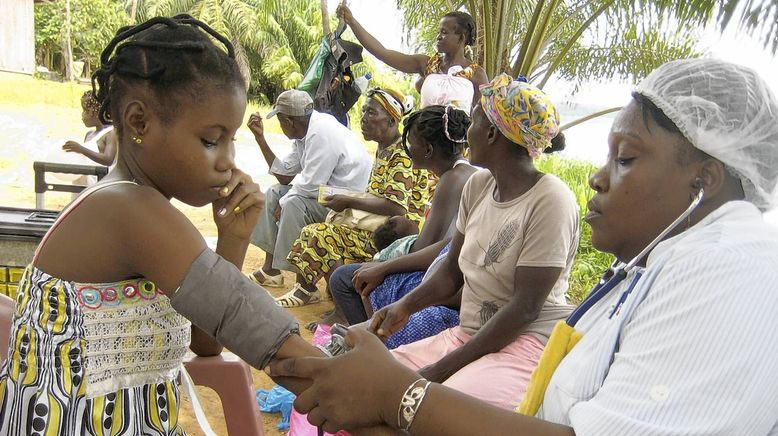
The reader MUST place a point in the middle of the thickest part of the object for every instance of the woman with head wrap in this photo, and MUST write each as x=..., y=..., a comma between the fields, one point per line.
x=434, y=138
x=682, y=343
x=517, y=233
x=395, y=187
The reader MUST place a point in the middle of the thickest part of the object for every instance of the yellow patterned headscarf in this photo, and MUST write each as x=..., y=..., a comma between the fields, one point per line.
x=395, y=104
x=521, y=112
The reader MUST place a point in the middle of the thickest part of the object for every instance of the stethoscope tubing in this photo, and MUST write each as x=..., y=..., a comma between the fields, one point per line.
x=618, y=270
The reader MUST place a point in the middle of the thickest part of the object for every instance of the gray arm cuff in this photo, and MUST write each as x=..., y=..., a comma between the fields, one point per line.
x=216, y=297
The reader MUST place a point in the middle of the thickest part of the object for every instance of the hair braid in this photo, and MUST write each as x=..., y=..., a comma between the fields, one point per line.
x=170, y=56
x=429, y=124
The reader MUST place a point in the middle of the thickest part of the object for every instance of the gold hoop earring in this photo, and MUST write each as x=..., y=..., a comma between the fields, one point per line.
x=137, y=139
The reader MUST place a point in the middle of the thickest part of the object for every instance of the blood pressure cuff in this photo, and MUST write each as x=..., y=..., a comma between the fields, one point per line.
x=216, y=297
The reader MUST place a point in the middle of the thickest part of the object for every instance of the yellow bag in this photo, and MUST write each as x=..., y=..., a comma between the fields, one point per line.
x=355, y=218
x=562, y=340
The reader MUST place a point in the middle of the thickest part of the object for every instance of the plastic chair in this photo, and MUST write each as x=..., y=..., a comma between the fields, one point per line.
x=7, y=307
x=230, y=377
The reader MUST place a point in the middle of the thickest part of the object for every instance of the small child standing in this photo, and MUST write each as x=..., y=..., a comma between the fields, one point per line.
x=102, y=138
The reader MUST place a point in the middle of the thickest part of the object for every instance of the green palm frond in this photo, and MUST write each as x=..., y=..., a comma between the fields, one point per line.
x=280, y=64
x=526, y=39
x=632, y=58
x=156, y=8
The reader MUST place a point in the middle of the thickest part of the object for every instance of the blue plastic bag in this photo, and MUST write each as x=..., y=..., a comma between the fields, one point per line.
x=276, y=400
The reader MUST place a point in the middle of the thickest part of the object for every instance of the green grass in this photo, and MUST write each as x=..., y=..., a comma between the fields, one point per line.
x=590, y=263
x=24, y=90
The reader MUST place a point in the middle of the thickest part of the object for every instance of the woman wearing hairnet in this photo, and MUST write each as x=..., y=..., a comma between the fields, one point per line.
x=681, y=337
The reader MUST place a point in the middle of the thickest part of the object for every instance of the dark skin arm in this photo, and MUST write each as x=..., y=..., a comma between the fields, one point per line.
x=478, y=79
x=445, y=205
x=381, y=206
x=104, y=157
x=444, y=283
x=346, y=394
x=372, y=274
x=258, y=129
x=531, y=287
x=232, y=242
x=399, y=61
x=141, y=234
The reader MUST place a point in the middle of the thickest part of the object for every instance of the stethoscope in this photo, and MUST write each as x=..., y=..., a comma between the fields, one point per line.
x=619, y=270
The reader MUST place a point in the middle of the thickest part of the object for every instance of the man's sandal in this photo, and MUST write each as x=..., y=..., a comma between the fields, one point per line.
x=268, y=281
x=291, y=300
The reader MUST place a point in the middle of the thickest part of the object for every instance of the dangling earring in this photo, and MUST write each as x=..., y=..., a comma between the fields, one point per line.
x=137, y=139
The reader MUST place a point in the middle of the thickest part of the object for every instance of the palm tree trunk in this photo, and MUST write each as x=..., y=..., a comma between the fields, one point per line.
x=68, y=47
x=560, y=57
x=325, y=18
x=133, y=10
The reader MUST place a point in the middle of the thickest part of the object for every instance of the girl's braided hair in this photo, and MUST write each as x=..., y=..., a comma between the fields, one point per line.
x=168, y=57
x=444, y=127
x=89, y=103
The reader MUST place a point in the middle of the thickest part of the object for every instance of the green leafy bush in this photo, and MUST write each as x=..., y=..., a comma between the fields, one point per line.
x=590, y=263
x=93, y=24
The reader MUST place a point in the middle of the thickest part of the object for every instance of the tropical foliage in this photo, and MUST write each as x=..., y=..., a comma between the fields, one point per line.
x=93, y=24
x=274, y=40
x=590, y=263
x=589, y=39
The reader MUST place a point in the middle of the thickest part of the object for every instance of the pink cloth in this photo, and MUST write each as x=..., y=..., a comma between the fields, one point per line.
x=298, y=422
x=498, y=378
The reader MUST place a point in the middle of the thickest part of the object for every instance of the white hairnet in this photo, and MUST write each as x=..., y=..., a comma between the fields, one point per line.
x=727, y=111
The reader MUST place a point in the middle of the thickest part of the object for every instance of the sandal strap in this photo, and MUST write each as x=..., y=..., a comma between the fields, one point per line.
x=298, y=287
x=265, y=276
x=291, y=300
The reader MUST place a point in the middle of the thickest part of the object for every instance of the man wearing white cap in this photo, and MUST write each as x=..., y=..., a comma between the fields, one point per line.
x=324, y=152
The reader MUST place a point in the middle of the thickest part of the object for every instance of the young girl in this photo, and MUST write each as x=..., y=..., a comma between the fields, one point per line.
x=102, y=137
x=98, y=333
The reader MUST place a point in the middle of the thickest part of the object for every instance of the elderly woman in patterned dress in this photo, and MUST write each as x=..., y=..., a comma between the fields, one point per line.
x=396, y=188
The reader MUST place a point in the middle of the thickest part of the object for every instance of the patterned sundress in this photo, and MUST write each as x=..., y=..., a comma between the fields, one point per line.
x=321, y=245
x=92, y=359
x=422, y=324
